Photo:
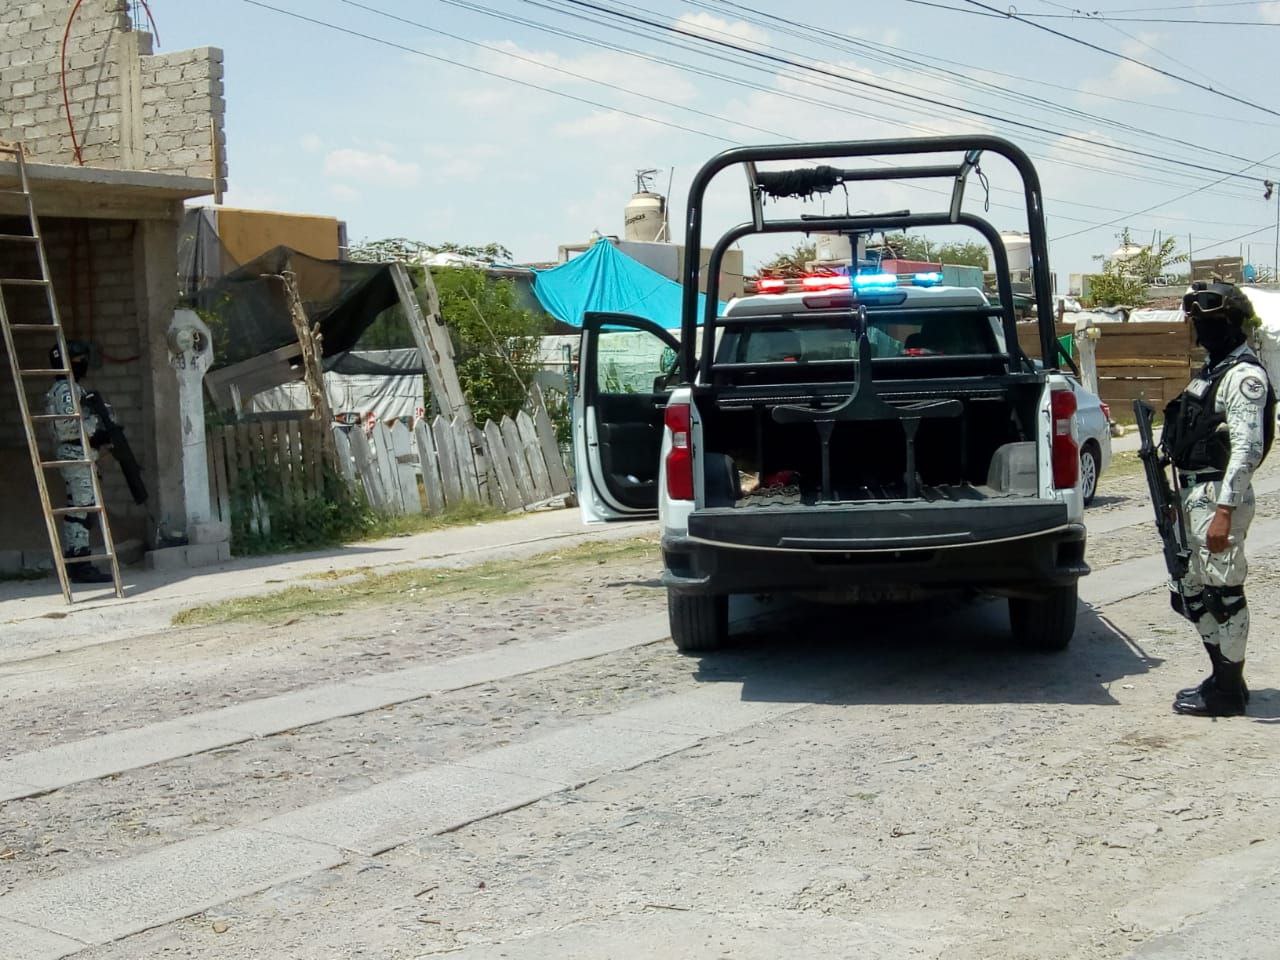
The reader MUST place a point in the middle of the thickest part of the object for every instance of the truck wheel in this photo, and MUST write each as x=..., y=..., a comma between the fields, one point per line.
x=698, y=623
x=1044, y=623
x=1090, y=467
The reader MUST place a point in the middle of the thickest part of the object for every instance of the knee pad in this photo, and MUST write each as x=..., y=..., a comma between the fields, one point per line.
x=1191, y=607
x=1223, y=603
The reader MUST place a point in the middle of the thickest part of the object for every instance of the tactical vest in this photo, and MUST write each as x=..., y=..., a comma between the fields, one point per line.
x=1193, y=435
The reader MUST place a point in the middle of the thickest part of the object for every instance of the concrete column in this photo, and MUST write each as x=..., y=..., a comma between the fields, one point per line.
x=155, y=257
x=191, y=353
x=128, y=57
x=1087, y=334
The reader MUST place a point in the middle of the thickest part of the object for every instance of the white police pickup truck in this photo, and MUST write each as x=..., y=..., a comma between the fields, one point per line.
x=861, y=436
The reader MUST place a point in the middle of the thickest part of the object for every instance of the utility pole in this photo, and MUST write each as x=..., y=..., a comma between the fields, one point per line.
x=1275, y=263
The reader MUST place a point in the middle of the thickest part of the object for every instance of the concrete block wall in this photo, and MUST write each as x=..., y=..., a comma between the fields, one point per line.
x=101, y=305
x=130, y=109
x=183, y=111
x=31, y=33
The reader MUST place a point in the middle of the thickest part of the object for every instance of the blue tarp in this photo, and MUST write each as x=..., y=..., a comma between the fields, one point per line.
x=606, y=280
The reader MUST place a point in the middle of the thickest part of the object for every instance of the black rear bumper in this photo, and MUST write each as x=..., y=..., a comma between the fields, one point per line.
x=1002, y=547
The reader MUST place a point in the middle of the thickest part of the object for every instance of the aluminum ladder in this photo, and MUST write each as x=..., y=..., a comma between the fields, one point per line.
x=49, y=328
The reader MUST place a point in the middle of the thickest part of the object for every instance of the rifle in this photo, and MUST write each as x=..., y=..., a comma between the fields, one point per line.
x=1167, y=500
x=111, y=434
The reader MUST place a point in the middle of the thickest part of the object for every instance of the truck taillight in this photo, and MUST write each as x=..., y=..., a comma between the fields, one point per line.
x=1065, y=447
x=679, y=464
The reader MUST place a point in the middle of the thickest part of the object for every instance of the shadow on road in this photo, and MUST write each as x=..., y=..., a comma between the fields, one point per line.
x=939, y=652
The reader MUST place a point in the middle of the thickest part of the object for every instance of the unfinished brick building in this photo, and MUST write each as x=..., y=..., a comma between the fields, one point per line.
x=117, y=138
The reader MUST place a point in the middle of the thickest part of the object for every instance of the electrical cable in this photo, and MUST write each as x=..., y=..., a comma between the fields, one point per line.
x=802, y=31
x=884, y=88
x=1147, y=180
x=559, y=93
x=773, y=91
x=1138, y=213
x=1120, y=56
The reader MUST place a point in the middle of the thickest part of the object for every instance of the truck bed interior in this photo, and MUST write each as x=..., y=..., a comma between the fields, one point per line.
x=752, y=461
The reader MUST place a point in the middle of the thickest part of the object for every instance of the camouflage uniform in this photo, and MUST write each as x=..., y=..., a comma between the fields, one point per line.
x=78, y=480
x=1240, y=398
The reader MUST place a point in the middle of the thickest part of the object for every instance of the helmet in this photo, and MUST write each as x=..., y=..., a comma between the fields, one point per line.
x=77, y=352
x=1217, y=299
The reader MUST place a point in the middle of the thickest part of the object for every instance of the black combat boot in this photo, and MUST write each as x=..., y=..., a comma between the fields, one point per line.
x=1215, y=654
x=1224, y=696
x=78, y=571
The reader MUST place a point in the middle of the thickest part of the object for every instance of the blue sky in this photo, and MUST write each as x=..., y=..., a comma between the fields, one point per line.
x=398, y=144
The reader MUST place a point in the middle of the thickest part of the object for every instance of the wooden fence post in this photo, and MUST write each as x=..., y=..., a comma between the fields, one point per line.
x=540, y=479
x=407, y=476
x=346, y=469
x=519, y=466
x=466, y=460
x=496, y=451
x=429, y=464
x=556, y=473
x=448, y=457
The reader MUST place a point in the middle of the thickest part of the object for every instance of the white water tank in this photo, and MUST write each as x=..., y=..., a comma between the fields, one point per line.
x=645, y=218
x=833, y=246
x=1017, y=247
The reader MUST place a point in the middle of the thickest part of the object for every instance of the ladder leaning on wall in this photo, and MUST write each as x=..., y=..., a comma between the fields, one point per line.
x=51, y=328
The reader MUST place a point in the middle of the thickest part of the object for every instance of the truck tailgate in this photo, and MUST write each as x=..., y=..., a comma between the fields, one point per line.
x=904, y=525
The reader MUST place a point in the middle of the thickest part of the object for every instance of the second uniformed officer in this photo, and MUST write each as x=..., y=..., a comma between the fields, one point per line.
x=78, y=480
x=1216, y=433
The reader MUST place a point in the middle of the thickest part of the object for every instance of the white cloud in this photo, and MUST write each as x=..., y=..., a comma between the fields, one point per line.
x=311, y=143
x=580, y=74
x=713, y=27
x=1129, y=79
x=604, y=123
x=340, y=191
x=464, y=162
x=363, y=166
x=1269, y=12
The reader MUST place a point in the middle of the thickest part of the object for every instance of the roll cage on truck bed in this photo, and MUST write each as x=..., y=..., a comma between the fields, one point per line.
x=915, y=469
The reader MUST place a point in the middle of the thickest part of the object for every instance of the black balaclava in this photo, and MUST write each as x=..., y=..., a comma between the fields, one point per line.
x=1217, y=334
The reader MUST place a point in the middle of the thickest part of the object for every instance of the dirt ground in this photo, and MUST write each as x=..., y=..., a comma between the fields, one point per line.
x=928, y=791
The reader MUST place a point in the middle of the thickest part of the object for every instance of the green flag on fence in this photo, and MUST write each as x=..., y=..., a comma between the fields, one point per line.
x=1067, y=342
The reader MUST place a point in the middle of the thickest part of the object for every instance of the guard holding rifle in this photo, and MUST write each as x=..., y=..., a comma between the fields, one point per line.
x=1216, y=433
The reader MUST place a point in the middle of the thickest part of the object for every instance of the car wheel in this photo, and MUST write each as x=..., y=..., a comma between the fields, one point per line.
x=1090, y=466
x=1045, y=623
x=699, y=624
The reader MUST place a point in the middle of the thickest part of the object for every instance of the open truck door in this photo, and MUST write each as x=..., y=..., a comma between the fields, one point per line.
x=627, y=367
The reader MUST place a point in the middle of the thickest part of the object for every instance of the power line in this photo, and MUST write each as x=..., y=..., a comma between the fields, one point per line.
x=488, y=73
x=1099, y=18
x=1120, y=56
x=884, y=88
x=1192, y=6
x=578, y=99
x=804, y=31
x=772, y=91
x=1138, y=213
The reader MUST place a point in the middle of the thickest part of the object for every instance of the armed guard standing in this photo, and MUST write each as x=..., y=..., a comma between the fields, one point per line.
x=1216, y=433
x=79, y=482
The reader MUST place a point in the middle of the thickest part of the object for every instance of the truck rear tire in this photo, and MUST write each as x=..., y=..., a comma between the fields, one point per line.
x=1047, y=623
x=699, y=624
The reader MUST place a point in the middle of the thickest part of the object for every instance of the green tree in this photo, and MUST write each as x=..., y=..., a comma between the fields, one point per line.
x=915, y=246
x=791, y=263
x=1124, y=280
x=495, y=340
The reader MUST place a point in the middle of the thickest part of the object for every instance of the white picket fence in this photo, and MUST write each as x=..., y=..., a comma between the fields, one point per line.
x=512, y=465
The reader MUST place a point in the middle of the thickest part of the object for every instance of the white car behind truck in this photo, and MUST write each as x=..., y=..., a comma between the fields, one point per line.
x=866, y=435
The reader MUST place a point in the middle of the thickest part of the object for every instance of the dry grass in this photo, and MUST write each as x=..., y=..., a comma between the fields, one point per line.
x=371, y=589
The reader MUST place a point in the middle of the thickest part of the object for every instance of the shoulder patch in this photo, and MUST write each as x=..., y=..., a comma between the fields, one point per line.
x=1253, y=387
